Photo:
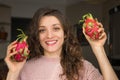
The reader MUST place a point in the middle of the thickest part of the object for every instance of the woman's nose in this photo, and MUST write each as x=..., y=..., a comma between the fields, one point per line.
x=49, y=34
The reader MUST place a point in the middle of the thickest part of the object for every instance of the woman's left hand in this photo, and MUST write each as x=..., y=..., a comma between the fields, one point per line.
x=102, y=38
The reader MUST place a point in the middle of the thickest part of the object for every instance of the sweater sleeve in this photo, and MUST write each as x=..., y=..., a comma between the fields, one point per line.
x=91, y=73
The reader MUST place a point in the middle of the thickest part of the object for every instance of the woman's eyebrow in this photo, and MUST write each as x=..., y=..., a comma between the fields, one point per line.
x=56, y=24
x=41, y=26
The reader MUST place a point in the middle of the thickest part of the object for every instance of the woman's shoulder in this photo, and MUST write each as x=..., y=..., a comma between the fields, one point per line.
x=31, y=63
x=87, y=63
x=88, y=66
x=90, y=71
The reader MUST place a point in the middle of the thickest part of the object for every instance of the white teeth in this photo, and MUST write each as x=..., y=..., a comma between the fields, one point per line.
x=50, y=42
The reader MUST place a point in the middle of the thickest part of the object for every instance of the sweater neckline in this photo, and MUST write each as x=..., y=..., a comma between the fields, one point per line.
x=50, y=59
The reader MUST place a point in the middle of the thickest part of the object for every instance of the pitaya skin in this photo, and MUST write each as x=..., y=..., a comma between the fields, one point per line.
x=18, y=57
x=91, y=26
x=21, y=45
x=21, y=48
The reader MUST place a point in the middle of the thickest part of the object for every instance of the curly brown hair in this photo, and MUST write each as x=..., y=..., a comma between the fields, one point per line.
x=71, y=58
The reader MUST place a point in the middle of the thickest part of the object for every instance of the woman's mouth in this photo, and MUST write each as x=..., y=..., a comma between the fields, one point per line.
x=51, y=43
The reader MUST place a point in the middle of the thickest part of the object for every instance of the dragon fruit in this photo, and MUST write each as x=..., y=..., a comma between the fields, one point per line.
x=91, y=26
x=21, y=48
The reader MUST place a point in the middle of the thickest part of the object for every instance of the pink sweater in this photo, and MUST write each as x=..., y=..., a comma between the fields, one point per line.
x=46, y=68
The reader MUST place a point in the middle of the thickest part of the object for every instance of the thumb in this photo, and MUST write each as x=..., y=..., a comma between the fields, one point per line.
x=83, y=30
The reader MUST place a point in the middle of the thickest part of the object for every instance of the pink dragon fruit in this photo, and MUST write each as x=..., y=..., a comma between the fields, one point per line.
x=91, y=26
x=21, y=48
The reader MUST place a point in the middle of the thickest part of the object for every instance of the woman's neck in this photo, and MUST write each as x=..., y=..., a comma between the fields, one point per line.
x=52, y=54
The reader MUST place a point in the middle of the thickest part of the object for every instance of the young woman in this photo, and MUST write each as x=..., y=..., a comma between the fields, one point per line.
x=55, y=53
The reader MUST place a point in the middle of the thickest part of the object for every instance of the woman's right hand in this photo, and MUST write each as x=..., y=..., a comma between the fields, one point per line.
x=14, y=67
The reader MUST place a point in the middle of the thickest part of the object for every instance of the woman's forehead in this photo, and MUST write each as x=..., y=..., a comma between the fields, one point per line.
x=48, y=20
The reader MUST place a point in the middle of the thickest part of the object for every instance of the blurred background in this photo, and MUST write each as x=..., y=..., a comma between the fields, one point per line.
x=18, y=13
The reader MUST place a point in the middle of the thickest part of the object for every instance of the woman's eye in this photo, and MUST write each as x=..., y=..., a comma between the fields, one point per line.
x=56, y=28
x=41, y=30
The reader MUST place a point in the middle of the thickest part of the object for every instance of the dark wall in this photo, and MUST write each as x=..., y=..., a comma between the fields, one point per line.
x=115, y=31
x=21, y=23
x=115, y=38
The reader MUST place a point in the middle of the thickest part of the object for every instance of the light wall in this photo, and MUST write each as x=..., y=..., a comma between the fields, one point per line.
x=5, y=22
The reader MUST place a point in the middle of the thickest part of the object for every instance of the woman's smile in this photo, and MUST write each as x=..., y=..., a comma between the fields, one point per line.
x=51, y=42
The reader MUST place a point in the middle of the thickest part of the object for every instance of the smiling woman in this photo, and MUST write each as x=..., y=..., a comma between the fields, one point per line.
x=51, y=35
x=55, y=53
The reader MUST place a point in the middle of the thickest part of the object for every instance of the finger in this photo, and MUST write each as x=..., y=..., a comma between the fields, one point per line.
x=87, y=37
x=11, y=54
x=11, y=49
x=84, y=31
x=12, y=43
x=102, y=35
x=8, y=57
x=101, y=30
x=100, y=25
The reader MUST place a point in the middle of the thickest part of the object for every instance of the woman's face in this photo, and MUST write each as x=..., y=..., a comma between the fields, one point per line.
x=51, y=35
